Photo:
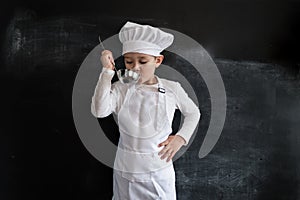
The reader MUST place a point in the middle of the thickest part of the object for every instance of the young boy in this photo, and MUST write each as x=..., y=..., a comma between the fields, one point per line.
x=145, y=111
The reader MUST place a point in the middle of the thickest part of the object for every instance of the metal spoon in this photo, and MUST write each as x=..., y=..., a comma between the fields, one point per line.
x=105, y=49
x=124, y=75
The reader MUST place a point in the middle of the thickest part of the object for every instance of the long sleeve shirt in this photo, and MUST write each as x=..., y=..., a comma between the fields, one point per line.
x=108, y=98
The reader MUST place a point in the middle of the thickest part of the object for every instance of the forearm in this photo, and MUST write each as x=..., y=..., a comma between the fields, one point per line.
x=189, y=125
x=102, y=99
x=191, y=114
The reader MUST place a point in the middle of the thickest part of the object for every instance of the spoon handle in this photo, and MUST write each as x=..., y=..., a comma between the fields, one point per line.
x=101, y=43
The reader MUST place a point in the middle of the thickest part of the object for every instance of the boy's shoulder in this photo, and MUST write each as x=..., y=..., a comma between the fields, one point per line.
x=171, y=87
x=169, y=83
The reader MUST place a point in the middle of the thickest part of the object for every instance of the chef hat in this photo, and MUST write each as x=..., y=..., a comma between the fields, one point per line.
x=144, y=39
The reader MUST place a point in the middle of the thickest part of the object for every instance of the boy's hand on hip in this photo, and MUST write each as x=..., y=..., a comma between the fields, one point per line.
x=172, y=145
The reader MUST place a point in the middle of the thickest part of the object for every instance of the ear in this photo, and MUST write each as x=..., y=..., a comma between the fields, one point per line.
x=158, y=60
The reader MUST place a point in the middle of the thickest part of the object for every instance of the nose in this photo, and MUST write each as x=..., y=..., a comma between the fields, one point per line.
x=136, y=67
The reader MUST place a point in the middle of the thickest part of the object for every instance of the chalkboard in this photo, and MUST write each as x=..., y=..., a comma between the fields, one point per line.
x=257, y=155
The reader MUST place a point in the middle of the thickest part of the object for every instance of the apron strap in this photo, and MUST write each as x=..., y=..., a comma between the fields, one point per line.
x=162, y=105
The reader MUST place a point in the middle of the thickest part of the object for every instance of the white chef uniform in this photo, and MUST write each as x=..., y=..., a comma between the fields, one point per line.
x=145, y=114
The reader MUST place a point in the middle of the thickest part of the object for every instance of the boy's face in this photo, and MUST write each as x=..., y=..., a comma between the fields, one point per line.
x=144, y=64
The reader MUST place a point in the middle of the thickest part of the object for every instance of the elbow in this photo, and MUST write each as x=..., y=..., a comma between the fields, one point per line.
x=95, y=114
x=99, y=113
x=196, y=114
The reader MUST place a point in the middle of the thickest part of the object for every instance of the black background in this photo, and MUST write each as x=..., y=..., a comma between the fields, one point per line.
x=255, y=45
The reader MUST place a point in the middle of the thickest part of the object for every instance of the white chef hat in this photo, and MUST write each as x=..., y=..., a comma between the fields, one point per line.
x=144, y=39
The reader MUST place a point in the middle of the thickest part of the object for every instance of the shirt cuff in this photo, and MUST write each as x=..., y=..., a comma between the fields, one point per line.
x=108, y=71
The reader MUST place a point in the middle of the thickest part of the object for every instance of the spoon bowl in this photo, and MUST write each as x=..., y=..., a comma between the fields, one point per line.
x=128, y=76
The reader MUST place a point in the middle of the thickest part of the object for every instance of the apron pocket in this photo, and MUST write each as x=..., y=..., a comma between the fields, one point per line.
x=143, y=190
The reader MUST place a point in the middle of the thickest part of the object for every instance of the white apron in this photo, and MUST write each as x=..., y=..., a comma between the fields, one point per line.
x=139, y=173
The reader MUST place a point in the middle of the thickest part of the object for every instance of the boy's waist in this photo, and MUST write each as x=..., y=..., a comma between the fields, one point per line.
x=138, y=162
